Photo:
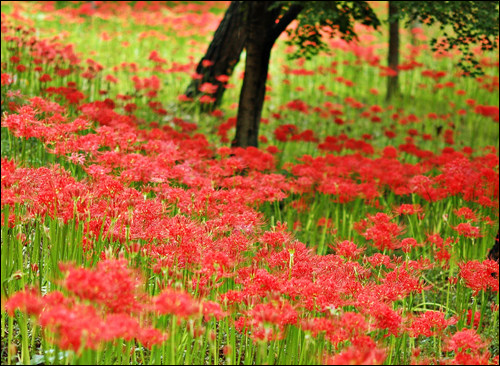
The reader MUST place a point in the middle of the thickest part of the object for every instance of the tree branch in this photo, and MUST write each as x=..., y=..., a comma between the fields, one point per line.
x=285, y=20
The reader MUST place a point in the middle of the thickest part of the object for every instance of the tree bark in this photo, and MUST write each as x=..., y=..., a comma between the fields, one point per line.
x=262, y=31
x=256, y=68
x=224, y=53
x=393, y=55
x=493, y=254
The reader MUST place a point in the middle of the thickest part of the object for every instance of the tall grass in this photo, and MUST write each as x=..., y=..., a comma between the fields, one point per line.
x=137, y=236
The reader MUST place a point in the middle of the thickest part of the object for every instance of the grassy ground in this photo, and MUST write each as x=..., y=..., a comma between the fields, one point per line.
x=357, y=232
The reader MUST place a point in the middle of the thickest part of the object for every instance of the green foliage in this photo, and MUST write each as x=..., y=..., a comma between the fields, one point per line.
x=471, y=22
x=327, y=17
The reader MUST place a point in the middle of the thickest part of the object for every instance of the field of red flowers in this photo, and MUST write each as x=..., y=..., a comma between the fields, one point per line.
x=357, y=233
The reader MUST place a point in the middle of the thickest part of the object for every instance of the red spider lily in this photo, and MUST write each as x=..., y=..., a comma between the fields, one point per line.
x=463, y=340
x=111, y=284
x=272, y=149
x=383, y=233
x=480, y=275
x=205, y=99
x=387, y=71
x=442, y=245
x=430, y=323
x=28, y=301
x=477, y=318
x=222, y=78
x=212, y=309
x=70, y=93
x=279, y=314
x=278, y=238
x=466, y=213
x=45, y=77
x=408, y=243
x=396, y=285
x=224, y=191
x=423, y=186
x=467, y=230
x=487, y=111
x=184, y=98
x=339, y=329
x=122, y=326
x=307, y=136
x=362, y=352
x=298, y=105
x=323, y=221
x=155, y=57
x=178, y=303
x=436, y=75
x=150, y=337
x=130, y=108
x=281, y=133
x=256, y=331
x=208, y=88
x=390, y=152
x=409, y=209
x=7, y=79
x=385, y=318
x=348, y=250
x=379, y=259
x=462, y=358
x=152, y=83
x=207, y=63
x=74, y=327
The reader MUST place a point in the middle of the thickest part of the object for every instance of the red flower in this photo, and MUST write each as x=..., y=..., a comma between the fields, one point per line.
x=28, y=301
x=408, y=243
x=409, y=209
x=6, y=79
x=463, y=340
x=480, y=275
x=222, y=78
x=111, y=284
x=390, y=152
x=184, y=98
x=279, y=314
x=207, y=63
x=467, y=230
x=477, y=318
x=111, y=79
x=206, y=99
x=430, y=323
x=362, y=352
x=383, y=232
x=212, y=309
x=272, y=149
x=208, y=88
x=150, y=337
x=45, y=77
x=348, y=250
x=466, y=213
x=178, y=303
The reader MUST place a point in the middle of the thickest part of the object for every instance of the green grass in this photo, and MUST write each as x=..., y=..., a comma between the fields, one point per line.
x=36, y=242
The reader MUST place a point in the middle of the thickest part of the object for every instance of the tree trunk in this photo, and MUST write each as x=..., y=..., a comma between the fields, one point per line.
x=254, y=83
x=493, y=254
x=223, y=52
x=262, y=31
x=393, y=55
